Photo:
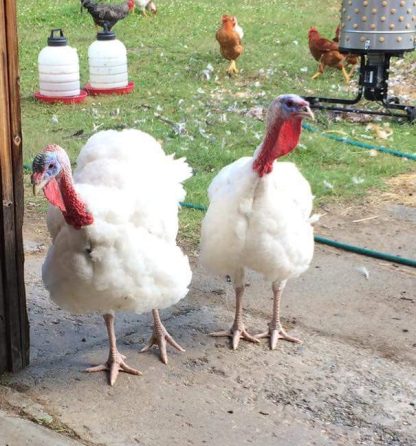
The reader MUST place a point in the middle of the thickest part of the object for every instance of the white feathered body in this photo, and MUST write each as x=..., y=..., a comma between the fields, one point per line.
x=260, y=223
x=127, y=260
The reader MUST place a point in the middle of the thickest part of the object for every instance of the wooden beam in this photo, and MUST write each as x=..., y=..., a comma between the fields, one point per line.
x=14, y=327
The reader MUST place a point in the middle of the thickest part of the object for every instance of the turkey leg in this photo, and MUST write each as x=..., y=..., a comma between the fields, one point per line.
x=115, y=362
x=276, y=331
x=161, y=338
x=237, y=331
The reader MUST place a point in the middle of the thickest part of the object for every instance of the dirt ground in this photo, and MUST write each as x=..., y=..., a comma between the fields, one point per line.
x=352, y=381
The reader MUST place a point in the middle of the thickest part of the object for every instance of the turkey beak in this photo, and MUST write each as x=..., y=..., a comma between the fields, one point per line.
x=37, y=184
x=306, y=112
x=36, y=189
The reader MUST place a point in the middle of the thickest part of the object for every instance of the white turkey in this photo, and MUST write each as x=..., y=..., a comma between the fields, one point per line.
x=259, y=217
x=113, y=228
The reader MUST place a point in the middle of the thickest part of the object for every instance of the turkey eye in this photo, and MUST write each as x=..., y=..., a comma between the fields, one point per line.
x=289, y=103
x=51, y=166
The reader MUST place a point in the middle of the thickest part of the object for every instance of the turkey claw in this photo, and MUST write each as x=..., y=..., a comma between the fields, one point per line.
x=236, y=335
x=275, y=334
x=114, y=365
x=161, y=338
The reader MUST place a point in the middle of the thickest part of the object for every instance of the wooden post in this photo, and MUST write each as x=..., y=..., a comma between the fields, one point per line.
x=14, y=326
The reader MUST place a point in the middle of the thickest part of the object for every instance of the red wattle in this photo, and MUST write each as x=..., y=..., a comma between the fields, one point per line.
x=279, y=141
x=80, y=219
x=288, y=136
x=76, y=213
x=53, y=194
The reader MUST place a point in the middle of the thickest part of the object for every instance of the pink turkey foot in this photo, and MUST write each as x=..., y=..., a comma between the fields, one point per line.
x=114, y=365
x=276, y=331
x=236, y=332
x=275, y=334
x=115, y=362
x=161, y=338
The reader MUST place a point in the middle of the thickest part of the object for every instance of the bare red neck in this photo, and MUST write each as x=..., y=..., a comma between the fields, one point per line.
x=62, y=194
x=281, y=138
x=76, y=213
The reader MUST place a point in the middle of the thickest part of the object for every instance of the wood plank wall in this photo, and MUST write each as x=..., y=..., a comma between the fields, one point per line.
x=14, y=326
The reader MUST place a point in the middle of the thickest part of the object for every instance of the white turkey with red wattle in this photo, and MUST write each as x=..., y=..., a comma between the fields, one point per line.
x=113, y=228
x=259, y=217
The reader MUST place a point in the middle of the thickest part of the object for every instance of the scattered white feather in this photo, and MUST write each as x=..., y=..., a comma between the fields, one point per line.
x=314, y=218
x=357, y=180
x=206, y=75
x=203, y=133
x=328, y=185
x=54, y=119
x=207, y=72
x=364, y=271
x=179, y=128
x=95, y=126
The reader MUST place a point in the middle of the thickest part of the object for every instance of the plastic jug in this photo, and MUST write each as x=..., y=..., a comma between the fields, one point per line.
x=58, y=67
x=107, y=60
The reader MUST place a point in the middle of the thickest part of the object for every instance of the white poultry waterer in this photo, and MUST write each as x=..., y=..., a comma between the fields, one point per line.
x=59, y=71
x=107, y=60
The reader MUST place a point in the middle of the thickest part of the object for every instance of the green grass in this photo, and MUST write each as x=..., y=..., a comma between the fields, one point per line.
x=167, y=55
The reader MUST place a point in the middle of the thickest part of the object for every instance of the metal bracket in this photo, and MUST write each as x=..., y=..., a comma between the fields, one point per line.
x=372, y=84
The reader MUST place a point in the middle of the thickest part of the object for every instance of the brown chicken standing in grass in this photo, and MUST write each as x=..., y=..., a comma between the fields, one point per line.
x=326, y=52
x=230, y=42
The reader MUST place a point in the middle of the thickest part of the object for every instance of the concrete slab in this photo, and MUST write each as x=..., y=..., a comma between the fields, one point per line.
x=16, y=431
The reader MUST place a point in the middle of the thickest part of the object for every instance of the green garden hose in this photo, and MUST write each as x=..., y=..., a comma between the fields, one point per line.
x=361, y=145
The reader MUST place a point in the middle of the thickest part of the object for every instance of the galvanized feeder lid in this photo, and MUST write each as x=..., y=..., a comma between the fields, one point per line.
x=57, y=40
x=378, y=26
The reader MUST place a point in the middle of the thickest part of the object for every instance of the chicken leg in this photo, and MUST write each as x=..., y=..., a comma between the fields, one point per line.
x=115, y=362
x=276, y=331
x=238, y=330
x=232, y=69
x=340, y=66
x=161, y=338
x=346, y=75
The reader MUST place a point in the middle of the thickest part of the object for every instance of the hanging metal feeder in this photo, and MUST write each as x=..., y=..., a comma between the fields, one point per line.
x=376, y=31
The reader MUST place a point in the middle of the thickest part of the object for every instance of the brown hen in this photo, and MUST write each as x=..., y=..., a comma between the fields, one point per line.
x=230, y=42
x=326, y=52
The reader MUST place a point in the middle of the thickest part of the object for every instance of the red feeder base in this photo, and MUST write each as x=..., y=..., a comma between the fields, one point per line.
x=61, y=99
x=120, y=90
